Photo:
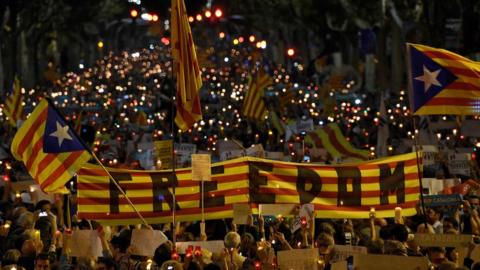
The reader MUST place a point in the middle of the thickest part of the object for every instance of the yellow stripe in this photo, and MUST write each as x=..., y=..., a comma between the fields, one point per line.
x=26, y=127
x=458, y=64
x=458, y=93
x=346, y=144
x=447, y=109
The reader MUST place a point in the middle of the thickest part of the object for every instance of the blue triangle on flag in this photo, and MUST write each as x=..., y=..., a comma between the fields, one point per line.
x=420, y=62
x=58, y=136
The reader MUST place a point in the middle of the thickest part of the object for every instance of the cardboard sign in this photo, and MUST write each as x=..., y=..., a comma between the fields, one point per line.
x=201, y=167
x=276, y=209
x=163, y=150
x=342, y=252
x=212, y=246
x=459, y=164
x=274, y=155
x=85, y=243
x=443, y=240
x=255, y=151
x=231, y=154
x=145, y=242
x=341, y=265
x=442, y=200
x=38, y=195
x=241, y=213
x=298, y=259
x=382, y=262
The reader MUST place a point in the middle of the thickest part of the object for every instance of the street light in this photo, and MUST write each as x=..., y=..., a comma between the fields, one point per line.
x=290, y=52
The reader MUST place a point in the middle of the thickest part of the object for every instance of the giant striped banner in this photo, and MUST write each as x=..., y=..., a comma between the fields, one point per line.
x=340, y=191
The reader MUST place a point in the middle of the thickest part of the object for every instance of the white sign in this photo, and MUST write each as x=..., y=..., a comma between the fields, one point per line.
x=241, y=212
x=306, y=211
x=184, y=152
x=342, y=252
x=298, y=259
x=85, y=243
x=276, y=209
x=255, y=151
x=429, y=154
x=145, y=242
x=382, y=262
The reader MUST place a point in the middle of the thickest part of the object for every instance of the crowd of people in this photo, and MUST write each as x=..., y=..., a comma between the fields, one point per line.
x=127, y=97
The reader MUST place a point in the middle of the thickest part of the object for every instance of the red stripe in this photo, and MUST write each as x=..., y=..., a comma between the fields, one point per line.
x=440, y=101
x=27, y=140
x=333, y=180
x=44, y=163
x=464, y=72
x=150, y=214
x=332, y=194
x=37, y=147
x=316, y=139
x=457, y=85
x=149, y=200
x=196, y=210
x=440, y=54
x=65, y=166
x=148, y=185
x=333, y=140
x=16, y=105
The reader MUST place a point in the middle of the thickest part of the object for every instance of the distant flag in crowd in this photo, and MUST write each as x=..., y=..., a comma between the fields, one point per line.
x=186, y=69
x=50, y=150
x=253, y=104
x=383, y=132
x=276, y=123
x=331, y=139
x=286, y=98
x=142, y=118
x=14, y=104
x=442, y=82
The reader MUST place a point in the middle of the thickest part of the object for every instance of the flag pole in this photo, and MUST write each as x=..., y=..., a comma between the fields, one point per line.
x=120, y=189
x=419, y=172
x=98, y=161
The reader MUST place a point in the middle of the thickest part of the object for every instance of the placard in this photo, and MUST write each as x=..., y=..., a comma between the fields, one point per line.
x=459, y=164
x=341, y=265
x=276, y=209
x=442, y=200
x=442, y=240
x=201, y=167
x=230, y=154
x=390, y=262
x=255, y=151
x=429, y=154
x=163, y=151
x=85, y=243
x=145, y=242
x=212, y=246
x=184, y=152
x=298, y=259
x=241, y=212
x=342, y=252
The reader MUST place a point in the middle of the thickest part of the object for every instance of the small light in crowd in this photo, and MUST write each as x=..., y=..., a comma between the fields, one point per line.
x=218, y=13
x=190, y=19
x=290, y=52
x=221, y=35
x=208, y=14
x=251, y=38
x=133, y=13
x=199, y=17
x=100, y=44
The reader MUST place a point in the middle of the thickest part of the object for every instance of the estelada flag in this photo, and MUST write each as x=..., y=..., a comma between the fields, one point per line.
x=49, y=148
x=253, y=105
x=185, y=66
x=442, y=82
x=332, y=139
x=14, y=104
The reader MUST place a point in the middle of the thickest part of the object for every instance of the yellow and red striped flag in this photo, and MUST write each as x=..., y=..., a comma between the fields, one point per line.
x=14, y=104
x=331, y=139
x=185, y=66
x=50, y=150
x=341, y=191
x=442, y=82
x=253, y=104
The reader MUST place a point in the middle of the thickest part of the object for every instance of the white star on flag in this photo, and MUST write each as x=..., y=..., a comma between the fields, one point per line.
x=61, y=133
x=429, y=78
